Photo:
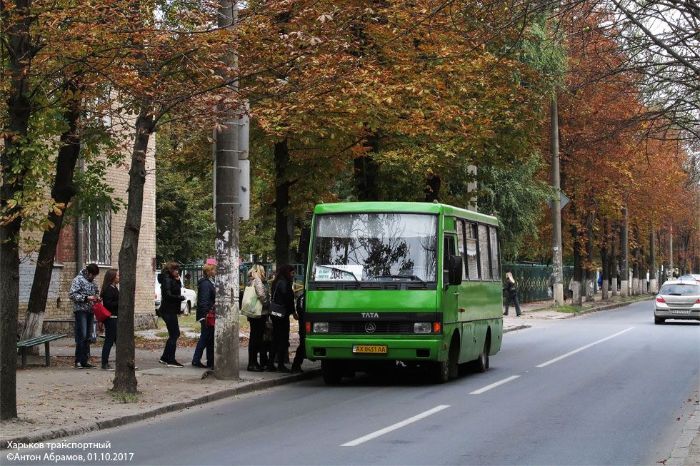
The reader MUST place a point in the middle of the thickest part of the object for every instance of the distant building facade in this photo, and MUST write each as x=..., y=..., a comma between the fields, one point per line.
x=98, y=240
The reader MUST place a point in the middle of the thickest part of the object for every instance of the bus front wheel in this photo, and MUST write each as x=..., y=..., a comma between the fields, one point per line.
x=332, y=372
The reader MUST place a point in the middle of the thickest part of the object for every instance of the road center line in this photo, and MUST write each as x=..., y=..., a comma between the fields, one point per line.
x=493, y=385
x=552, y=361
x=393, y=427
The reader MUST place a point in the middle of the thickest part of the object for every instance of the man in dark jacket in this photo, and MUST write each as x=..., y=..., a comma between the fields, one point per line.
x=206, y=296
x=83, y=293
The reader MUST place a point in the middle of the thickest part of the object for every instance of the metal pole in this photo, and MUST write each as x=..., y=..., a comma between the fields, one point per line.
x=556, y=206
x=226, y=210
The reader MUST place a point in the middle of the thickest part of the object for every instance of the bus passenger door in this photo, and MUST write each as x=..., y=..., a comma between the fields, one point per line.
x=450, y=296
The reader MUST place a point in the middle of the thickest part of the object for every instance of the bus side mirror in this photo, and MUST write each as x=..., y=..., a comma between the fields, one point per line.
x=455, y=270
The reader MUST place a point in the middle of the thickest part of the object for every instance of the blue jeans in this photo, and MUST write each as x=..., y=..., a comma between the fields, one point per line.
x=83, y=334
x=110, y=338
x=206, y=340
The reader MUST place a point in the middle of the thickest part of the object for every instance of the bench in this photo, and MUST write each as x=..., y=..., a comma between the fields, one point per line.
x=45, y=339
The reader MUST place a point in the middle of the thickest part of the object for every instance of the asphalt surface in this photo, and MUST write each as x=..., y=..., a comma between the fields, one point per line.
x=606, y=388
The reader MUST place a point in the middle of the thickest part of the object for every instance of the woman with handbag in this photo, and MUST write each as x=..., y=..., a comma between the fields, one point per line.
x=281, y=307
x=206, y=297
x=256, y=280
x=110, y=300
x=171, y=292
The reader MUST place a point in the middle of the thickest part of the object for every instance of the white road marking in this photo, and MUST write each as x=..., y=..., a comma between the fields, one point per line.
x=493, y=385
x=393, y=427
x=552, y=361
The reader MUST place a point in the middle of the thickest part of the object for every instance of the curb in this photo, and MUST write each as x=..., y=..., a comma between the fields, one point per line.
x=517, y=327
x=242, y=389
x=690, y=435
x=602, y=307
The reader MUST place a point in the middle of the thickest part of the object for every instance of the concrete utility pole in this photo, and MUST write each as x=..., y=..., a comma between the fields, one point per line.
x=226, y=175
x=556, y=206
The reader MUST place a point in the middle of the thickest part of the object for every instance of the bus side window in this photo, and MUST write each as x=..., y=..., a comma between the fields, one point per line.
x=472, y=259
x=485, y=261
x=450, y=250
x=495, y=263
x=461, y=248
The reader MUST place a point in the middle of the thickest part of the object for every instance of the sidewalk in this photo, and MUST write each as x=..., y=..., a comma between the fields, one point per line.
x=59, y=401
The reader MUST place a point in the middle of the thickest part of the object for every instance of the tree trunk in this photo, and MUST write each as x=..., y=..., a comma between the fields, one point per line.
x=125, y=376
x=613, y=271
x=578, y=267
x=9, y=302
x=605, y=260
x=590, y=274
x=282, y=239
x=18, y=42
x=366, y=171
x=653, y=281
x=62, y=193
x=624, y=255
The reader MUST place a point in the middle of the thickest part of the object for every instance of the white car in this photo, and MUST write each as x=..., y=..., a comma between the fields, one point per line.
x=677, y=299
x=190, y=297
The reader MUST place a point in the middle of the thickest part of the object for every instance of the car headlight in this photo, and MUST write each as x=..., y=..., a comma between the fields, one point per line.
x=320, y=327
x=423, y=327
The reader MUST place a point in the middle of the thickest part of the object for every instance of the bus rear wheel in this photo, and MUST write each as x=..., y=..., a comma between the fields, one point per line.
x=481, y=364
x=332, y=372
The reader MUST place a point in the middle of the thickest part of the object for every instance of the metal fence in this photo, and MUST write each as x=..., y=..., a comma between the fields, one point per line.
x=533, y=280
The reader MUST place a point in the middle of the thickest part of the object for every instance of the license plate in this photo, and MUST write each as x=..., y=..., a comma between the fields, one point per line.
x=369, y=349
x=679, y=312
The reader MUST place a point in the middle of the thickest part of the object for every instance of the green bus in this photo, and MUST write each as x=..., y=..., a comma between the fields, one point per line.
x=374, y=295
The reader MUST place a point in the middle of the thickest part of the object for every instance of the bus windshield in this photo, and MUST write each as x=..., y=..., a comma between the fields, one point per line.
x=371, y=247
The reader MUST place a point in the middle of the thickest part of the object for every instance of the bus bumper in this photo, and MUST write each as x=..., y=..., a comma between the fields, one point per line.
x=396, y=349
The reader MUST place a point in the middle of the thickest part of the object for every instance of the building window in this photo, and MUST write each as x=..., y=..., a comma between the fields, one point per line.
x=98, y=239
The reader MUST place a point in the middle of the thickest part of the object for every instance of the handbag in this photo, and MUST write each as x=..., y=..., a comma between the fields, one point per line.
x=251, y=305
x=277, y=310
x=101, y=312
x=210, y=319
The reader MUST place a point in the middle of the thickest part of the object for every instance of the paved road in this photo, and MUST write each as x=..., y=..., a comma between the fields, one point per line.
x=607, y=388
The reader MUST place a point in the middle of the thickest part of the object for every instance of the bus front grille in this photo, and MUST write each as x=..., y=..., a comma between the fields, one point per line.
x=369, y=328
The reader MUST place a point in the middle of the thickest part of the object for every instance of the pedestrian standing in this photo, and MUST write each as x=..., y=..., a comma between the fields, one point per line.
x=551, y=282
x=206, y=297
x=511, y=290
x=83, y=293
x=171, y=294
x=300, y=316
x=110, y=299
x=256, y=279
x=281, y=307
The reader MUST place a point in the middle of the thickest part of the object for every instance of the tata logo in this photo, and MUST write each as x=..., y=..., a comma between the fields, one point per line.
x=370, y=327
x=370, y=315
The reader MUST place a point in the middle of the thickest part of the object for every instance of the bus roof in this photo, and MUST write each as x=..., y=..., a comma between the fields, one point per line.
x=406, y=207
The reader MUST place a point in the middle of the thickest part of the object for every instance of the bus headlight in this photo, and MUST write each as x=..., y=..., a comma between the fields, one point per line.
x=320, y=327
x=422, y=327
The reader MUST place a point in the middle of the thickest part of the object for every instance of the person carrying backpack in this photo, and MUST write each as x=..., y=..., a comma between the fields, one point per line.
x=511, y=290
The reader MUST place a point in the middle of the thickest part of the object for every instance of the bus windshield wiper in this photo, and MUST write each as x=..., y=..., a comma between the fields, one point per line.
x=338, y=269
x=409, y=277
